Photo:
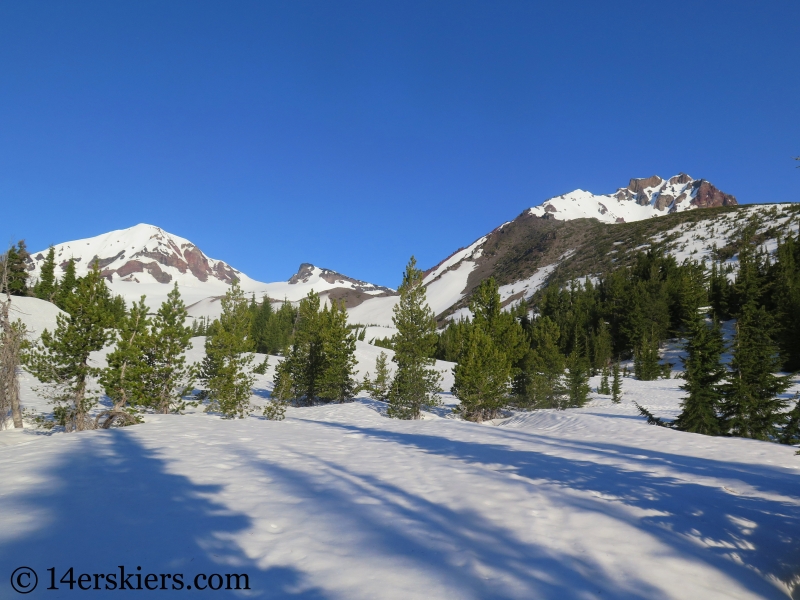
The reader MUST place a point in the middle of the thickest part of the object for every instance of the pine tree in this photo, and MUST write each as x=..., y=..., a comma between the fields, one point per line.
x=61, y=359
x=299, y=376
x=791, y=431
x=605, y=386
x=578, y=381
x=751, y=407
x=45, y=288
x=168, y=378
x=66, y=287
x=541, y=381
x=227, y=368
x=416, y=382
x=124, y=378
x=16, y=270
x=337, y=382
x=482, y=377
x=380, y=386
x=703, y=373
x=645, y=362
x=616, y=385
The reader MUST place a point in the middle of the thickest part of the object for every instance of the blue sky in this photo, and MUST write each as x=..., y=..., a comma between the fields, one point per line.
x=353, y=134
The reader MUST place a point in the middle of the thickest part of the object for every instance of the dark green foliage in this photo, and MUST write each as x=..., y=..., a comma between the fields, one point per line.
x=784, y=301
x=416, y=382
x=14, y=264
x=604, y=387
x=61, y=359
x=540, y=383
x=272, y=329
x=704, y=374
x=751, y=406
x=123, y=380
x=45, y=288
x=645, y=362
x=616, y=385
x=577, y=381
x=452, y=341
x=320, y=365
x=791, y=431
x=226, y=370
x=168, y=379
x=379, y=387
x=66, y=286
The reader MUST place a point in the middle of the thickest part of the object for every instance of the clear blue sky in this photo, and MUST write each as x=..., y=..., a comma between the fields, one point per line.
x=353, y=134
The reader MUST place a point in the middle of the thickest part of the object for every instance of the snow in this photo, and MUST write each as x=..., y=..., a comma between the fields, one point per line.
x=341, y=502
x=37, y=315
x=580, y=204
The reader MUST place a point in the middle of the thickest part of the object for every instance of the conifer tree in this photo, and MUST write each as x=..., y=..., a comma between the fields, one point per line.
x=616, y=385
x=124, y=378
x=61, y=359
x=45, y=288
x=168, y=378
x=703, y=373
x=66, y=287
x=577, y=381
x=751, y=406
x=605, y=386
x=16, y=270
x=482, y=377
x=541, y=382
x=791, y=431
x=227, y=368
x=379, y=387
x=337, y=382
x=645, y=362
x=416, y=382
x=299, y=376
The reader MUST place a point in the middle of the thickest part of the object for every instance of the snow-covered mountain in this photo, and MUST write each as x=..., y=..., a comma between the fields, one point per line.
x=641, y=199
x=147, y=260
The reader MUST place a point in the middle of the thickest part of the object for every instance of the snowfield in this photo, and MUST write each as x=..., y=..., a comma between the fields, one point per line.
x=342, y=502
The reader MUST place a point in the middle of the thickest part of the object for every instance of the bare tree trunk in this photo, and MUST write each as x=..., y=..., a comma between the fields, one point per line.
x=10, y=342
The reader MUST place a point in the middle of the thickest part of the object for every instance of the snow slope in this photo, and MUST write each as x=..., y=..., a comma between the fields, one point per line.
x=341, y=502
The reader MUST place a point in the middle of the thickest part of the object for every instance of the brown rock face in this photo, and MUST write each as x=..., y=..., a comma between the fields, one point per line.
x=708, y=196
x=623, y=194
x=680, y=178
x=638, y=185
x=663, y=201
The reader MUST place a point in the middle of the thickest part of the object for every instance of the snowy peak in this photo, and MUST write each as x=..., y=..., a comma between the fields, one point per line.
x=641, y=199
x=140, y=254
x=327, y=279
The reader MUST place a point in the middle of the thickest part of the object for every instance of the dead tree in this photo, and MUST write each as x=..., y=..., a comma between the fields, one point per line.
x=11, y=337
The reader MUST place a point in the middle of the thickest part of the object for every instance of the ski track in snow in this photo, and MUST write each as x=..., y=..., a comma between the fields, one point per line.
x=341, y=502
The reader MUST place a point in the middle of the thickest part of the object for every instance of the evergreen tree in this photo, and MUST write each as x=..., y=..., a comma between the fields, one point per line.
x=750, y=406
x=482, y=377
x=791, y=431
x=645, y=362
x=66, y=287
x=262, y=315
x=503, y=328
x=227, y=368
x=416, y=382
x=299, y=376
x=45, y=288
x=703, y=373
x=605, y=386
x=541, y=381
x=577, y=381
x=124, y=378
x=168, y=379
x=16, y=270
x=61, y=359
x=616, y=385
x=379, y=387
x=337, y=382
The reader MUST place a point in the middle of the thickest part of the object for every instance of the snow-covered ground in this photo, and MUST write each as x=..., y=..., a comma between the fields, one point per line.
x=342, y=502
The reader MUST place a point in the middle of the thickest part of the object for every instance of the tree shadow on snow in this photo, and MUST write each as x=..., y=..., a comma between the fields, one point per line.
x=751, y=537
x=109, y=501
x=456, y=548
